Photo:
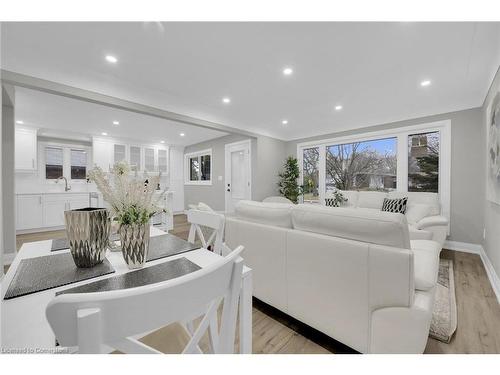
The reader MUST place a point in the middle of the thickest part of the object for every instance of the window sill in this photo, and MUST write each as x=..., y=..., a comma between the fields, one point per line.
x=198, y=183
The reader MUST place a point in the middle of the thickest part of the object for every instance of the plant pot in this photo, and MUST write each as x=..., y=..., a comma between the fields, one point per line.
x=87, y=230
x=134, y=242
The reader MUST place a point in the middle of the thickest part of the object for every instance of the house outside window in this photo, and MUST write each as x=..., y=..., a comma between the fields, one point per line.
x=198, y=168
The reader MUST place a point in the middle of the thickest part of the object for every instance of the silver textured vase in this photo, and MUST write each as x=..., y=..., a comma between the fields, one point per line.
x=134, y=241
x=87, y=230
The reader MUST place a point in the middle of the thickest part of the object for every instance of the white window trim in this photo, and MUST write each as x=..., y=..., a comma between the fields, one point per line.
x=402, y=133
x=190, y=155
x=66, y=147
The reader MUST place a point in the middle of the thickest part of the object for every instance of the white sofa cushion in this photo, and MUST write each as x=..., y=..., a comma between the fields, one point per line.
x=352, y=198
x=417, y=211
x=276, y=214
x=425, y=263
x=367, y=225
x=431, y=199
x=371, y=199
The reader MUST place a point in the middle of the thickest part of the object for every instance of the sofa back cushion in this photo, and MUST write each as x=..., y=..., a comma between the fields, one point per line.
x=275, y=214
x=420, y=198
x=371, y=199
x=366, y=225
x=352, y=198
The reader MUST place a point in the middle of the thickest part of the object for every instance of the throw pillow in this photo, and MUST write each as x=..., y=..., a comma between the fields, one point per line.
x=397, y=205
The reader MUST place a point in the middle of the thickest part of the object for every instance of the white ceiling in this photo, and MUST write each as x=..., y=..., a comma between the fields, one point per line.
x=64, y=117
x=373, y=69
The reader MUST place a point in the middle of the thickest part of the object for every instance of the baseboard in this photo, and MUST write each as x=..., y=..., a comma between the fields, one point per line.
x=463, y=247
x=479, y=250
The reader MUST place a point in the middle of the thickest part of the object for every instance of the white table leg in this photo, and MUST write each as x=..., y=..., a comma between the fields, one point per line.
x=246, y=314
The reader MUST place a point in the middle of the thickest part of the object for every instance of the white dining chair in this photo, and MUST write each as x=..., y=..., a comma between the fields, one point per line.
x=207, y=219
x=94, y=322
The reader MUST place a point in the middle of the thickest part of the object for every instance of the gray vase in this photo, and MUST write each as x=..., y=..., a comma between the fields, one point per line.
x=134, y=241
x=87, y=230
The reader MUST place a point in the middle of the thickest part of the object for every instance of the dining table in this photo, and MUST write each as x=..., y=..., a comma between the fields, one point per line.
x=24, y=326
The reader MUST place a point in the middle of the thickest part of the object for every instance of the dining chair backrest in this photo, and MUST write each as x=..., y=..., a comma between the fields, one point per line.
x=213, y=220
x=91, y=320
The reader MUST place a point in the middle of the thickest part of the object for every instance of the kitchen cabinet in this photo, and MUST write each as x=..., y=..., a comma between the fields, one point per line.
x=149, y=159
x=119, y=153
x=25, y=150
x=102, y=154
x=29, y=212
x=39, y=211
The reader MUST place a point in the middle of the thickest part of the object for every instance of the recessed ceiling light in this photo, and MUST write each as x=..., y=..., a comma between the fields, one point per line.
x=104, y=133
x=425, y=83
x=338, y=107
x=284, y=122
x=226, y=100
x=287, y=71
x=111, y=59
x=182, y=134
x=162, y=141
x=19, y=122
x=116, y=122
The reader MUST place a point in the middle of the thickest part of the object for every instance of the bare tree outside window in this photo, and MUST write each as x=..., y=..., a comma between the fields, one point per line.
x=310, y=173
x=369, y=165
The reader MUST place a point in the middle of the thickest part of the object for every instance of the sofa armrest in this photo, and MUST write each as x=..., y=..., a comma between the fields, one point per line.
x=432, y=221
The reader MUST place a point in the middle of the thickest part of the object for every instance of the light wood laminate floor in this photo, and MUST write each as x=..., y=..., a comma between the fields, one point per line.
x=478, y=328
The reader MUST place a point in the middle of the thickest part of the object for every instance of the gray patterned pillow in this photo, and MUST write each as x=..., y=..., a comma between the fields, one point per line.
x=397, y=205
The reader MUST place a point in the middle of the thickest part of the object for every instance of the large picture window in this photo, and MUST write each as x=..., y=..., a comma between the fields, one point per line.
x=369, y=165
x=198, y=168
x=408, y=159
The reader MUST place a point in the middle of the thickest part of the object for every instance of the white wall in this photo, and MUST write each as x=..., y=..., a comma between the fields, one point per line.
x=177, y=177
x=491, y=241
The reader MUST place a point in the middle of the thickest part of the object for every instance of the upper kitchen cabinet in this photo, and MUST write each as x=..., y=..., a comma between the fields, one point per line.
x=25, y=150
x=102, y=154
x=141, y=157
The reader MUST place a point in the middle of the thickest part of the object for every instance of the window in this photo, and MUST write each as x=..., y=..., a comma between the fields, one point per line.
x=407, y=159
x=198, y=166
x=368, y=165
x=310, y=167
x=78, y=164
x=53, y=163
x=423, y=162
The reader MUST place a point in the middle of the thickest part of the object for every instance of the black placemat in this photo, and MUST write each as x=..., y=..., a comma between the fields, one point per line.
x=63, y=243
x=51, y=271
x=167, y=245
x=144, y=276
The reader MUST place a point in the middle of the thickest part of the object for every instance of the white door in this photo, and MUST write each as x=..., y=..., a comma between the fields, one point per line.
x=29, y=212
x=238, y=183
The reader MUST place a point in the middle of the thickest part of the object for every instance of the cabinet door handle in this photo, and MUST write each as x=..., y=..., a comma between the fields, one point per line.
x=40, y=199
x=33, y=163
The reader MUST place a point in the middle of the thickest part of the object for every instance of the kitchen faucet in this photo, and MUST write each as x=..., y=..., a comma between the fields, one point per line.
x=66, y=187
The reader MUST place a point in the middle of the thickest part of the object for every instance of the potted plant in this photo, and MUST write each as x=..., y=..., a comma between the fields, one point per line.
x=288, y=185
x=132, y=203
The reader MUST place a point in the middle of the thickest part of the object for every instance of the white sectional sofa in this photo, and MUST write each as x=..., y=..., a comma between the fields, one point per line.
x=351, y=273
x=423, y=213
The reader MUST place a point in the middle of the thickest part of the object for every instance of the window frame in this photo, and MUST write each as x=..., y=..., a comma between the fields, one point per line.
x=402, y=134
x=187, y=167
x=66, y=147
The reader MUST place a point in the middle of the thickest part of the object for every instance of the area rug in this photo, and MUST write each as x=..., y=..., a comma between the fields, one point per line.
x=444, y=316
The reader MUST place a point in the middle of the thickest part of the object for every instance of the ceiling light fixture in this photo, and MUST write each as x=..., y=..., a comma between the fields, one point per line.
x=425, y=83
x=338, y=107
x=182, y=134
x=111, y=59
x=284, y=122
x=162, y=141
x=226, y=100
x=116, y=122
x=19, y=122
x=104, y=133
x=287, y=71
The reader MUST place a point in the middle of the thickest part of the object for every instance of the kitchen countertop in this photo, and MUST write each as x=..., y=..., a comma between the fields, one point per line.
x=54, y=192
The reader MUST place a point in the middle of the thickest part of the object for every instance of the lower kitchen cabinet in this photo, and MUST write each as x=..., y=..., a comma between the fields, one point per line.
x=41, y=211
x=29, y=212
